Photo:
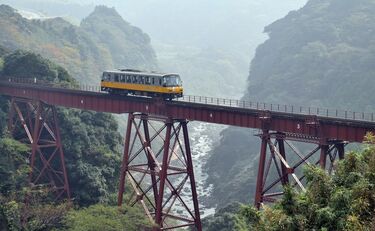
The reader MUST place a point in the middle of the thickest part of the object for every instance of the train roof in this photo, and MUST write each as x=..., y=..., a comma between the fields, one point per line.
x=138, y=72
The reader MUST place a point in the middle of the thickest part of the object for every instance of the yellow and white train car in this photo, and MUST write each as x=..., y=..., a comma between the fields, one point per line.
x=134, y=82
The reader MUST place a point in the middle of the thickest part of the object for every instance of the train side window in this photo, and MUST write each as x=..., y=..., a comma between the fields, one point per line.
x=160, y=81
x=109, y=77
x=142, y=80
x=123, y=78
x=116, y=77
x=153, y=81
x=134, y=79
x=164, y=81
x=147, y=80
x=128, y=79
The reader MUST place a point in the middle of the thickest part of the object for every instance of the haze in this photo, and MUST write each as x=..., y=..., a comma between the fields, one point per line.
x=222, y=35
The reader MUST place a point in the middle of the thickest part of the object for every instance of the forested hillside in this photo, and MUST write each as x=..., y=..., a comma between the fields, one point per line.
x=102, y=41
x=320, y=55
x=92, y=147
x=91, y=141
x=344, y=201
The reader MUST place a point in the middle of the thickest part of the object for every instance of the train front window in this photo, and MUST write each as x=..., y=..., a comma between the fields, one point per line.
x=172, y=81
x=106, y=77
x=178, y=81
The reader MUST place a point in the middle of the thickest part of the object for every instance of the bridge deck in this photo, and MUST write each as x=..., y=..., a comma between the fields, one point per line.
x=303, y=121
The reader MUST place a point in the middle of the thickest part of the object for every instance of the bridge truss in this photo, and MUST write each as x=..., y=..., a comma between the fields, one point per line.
x=157, y=163
x=158, y=166
x=281, y=163
x=35, y=123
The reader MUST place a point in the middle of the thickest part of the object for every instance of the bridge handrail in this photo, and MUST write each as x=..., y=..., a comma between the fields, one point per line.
x=36, y=81
x=302, y=110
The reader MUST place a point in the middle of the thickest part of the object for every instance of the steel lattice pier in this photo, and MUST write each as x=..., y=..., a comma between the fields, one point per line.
x=278, y=168
x=35, y=123
x=158, y=170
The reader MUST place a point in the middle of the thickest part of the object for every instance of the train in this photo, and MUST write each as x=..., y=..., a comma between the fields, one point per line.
x=136, y=82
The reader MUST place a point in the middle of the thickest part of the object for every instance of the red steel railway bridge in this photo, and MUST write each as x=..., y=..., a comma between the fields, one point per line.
x=157, y=166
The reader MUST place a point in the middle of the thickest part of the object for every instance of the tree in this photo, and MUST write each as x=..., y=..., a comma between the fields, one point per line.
x=14, y=168
x=103, y=217
x=223, y=219
x=343, y=201
x=90, y=140
x=24, y=64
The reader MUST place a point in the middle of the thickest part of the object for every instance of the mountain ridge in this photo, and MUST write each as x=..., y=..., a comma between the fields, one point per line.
x=85, y=50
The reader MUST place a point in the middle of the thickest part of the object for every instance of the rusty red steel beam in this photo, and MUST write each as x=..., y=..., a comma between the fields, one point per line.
x=325, y=128
x=42, y=133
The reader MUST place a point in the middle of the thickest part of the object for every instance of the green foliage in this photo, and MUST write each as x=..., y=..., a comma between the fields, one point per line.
x=20, y=207
x=3, y=51
x=102, y=217
x=1, y=64
x=248, y=217
x=321, y=55
x=91, y=145
x=241, y=172
x=92, y=157
x=34, y=215
x=224, y=219
x=23, y=64
x=13, y=165
x=14, y=170
x=319, y=187
x=11, y=215
x=91, y=141
x=102, y=41
x=335, y=202
x=107, y=28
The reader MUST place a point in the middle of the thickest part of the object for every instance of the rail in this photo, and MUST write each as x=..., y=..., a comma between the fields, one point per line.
x=293, y=109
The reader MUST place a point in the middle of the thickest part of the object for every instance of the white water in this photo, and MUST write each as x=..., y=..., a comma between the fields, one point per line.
x=202, y=138
x=202, y=144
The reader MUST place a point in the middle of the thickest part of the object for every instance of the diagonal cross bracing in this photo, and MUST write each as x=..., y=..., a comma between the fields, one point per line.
x=36, y=124
x=158, y=165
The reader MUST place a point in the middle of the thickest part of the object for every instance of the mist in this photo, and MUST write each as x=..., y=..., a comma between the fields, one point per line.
x=220, y=35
